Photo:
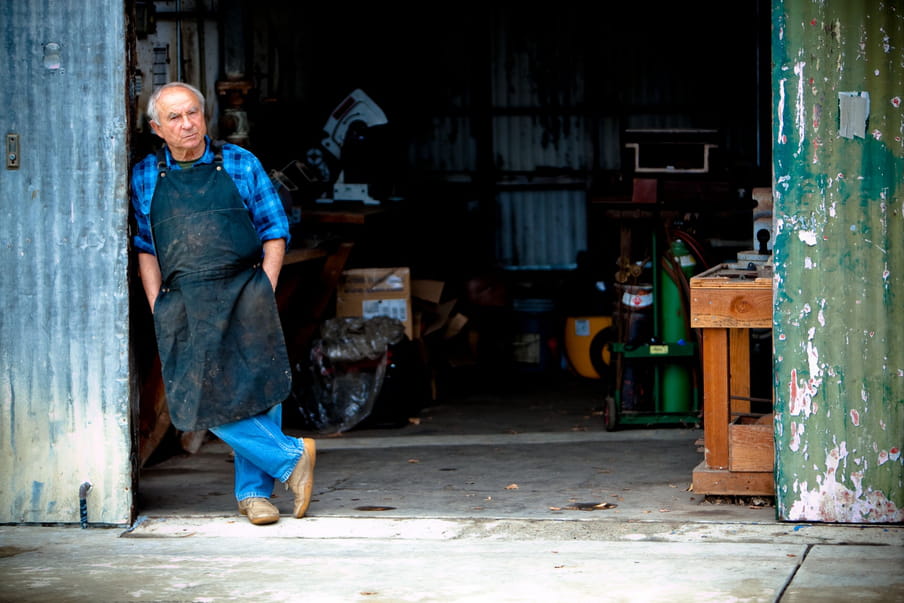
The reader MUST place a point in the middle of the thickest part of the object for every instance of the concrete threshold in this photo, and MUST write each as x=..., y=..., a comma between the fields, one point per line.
x=507, y=439
x=429, y=560
x=506, y=529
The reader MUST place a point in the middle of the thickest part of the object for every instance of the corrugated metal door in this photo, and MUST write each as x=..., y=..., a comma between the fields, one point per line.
x=838, y=84
x=65, y=415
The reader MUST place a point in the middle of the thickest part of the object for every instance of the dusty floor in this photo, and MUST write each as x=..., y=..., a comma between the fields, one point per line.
x=520, y=447
x=507, y=493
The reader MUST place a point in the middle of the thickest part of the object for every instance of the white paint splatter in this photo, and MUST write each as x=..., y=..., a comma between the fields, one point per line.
x=813, y=360
x=877, y=134
x=779, y=224
x=821, y=317
x=808, y=263
x=800, y=117
x=807, y=236
x=883, y=457
x=781, y=113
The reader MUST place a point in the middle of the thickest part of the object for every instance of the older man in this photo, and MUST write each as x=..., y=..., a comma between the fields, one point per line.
x=212, y=234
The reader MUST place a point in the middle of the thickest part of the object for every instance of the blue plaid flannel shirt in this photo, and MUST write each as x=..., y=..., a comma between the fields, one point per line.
x=251, y=180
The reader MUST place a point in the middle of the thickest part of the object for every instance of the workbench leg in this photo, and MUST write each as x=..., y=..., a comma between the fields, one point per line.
x=739, y=371
x=715, y=397
x=329, y=279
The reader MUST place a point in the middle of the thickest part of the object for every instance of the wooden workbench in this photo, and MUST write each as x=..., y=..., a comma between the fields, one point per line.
x=344, y=213
x=738, y=446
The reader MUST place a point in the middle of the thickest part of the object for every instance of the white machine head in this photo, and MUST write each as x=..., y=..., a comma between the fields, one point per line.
x=357, y=107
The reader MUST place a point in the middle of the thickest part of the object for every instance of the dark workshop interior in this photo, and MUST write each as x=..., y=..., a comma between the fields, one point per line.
x=542, y=183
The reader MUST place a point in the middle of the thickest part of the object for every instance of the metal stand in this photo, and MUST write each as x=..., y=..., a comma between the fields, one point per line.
x=657, y=352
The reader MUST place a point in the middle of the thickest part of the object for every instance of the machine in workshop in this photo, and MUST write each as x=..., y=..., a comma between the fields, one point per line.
x=341, y=166
x=762, y=234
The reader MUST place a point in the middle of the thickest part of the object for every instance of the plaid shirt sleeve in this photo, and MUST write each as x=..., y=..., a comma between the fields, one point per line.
x=250, y=178
x=144, y=177
x=258, y=192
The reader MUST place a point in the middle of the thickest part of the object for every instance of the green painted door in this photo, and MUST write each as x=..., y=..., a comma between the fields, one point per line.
x=838, y=154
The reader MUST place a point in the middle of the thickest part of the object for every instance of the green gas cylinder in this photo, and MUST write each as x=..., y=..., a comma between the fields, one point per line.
x=674, y=315
x=684, y=258
x=676, y=383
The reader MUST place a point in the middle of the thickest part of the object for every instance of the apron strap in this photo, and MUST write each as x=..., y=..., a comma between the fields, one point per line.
x=161, y=159
x=216, y=146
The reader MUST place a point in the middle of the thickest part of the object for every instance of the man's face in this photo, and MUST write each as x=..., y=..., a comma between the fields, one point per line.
x=182, y=125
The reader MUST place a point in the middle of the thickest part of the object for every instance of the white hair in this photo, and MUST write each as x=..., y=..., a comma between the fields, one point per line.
x=152, y=102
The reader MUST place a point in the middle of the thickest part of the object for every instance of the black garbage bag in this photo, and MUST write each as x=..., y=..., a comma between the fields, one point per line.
x=406, y=388
x=348, y=366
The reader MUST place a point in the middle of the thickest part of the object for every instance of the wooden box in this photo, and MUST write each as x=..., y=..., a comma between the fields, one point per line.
x=723, y=297
x=750, y=444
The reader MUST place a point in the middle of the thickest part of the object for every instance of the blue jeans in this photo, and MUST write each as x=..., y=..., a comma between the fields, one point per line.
x=262, y=452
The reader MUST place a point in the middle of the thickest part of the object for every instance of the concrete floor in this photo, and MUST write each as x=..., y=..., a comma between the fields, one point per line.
x=496, y=495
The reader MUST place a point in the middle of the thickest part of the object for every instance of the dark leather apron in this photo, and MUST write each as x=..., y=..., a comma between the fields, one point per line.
x=218, y=331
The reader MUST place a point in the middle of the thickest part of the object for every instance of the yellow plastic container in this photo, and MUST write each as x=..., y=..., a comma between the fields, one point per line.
x=580, y=332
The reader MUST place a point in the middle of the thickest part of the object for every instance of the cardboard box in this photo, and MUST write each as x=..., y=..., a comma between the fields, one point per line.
x=427, y=290
x=369, y=292
x=433, y=313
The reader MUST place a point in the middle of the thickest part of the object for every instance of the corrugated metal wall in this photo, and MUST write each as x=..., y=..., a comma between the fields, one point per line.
x=548, y=103
x=541, y=230
x=540, y=140
x=509, y=96
x=839, y=259
x=64, y=345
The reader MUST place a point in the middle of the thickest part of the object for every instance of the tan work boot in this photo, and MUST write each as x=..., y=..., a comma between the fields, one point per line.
x=260, y=511
x=302, y=479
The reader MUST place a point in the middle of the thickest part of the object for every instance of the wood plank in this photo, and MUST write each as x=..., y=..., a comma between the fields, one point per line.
x=732, y=280
x=739, y=370
x=340, y=213
x=715, y=397
x=326, y=289
x=295, y=256
x=733, y=307
x=723, y=276
x=751, y=447
x=303, y=297
x=154, y=418
x=739, y=483
x=329, y=278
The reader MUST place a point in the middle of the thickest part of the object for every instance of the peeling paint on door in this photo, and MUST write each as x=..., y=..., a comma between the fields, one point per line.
x=838, y=154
